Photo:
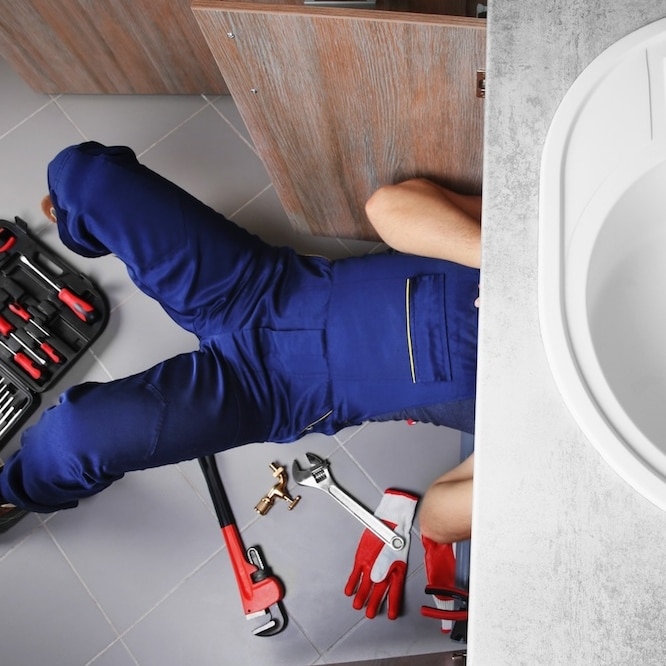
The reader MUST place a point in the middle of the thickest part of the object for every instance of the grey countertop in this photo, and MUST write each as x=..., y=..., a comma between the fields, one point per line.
x=568, y=562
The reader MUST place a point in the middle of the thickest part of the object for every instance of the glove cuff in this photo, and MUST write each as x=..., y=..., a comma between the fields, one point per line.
x=440, y=563
x=397, y=506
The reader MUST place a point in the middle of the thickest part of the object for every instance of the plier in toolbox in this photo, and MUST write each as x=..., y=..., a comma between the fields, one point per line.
x=458, y=615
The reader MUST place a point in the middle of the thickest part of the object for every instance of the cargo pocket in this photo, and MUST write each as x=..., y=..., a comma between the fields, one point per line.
x=427, y=337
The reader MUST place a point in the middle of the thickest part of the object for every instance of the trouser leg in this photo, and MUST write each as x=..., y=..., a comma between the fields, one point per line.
x=179, y=251
x=183, y=408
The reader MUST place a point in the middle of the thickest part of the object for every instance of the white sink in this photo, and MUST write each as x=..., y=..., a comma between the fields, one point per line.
x=602, y=256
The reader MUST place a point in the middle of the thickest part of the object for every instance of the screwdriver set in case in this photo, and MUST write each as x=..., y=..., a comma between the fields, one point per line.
x=49, y=315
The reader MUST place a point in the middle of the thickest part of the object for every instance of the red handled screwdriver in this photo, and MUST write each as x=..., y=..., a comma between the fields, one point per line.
x=7, y=330
x=23, y=361
x=20, y=311
x=82, y=309
x=46, y=348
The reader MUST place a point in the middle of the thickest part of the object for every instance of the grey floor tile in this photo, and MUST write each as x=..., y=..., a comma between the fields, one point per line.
x=137, y=121
x=17, y=101
x=202, y=623
x=346, y=434
x=47, y=616
x=17, y=535
x=24, y=156
x=225, y=105
x=136, y=541
x=207, y=158
x=410, y=457
x=116, y=655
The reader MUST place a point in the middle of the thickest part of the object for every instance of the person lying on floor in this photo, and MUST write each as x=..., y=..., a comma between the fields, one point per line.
x=289, y=344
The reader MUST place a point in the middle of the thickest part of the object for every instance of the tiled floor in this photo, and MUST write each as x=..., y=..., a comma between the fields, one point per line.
x=138, y=575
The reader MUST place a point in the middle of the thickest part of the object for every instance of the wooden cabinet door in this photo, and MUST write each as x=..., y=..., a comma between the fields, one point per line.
x=108, y=46
x=339, y=102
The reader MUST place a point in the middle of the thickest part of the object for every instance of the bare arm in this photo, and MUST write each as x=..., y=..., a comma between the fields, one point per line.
x=419, y=217
x=446, y=507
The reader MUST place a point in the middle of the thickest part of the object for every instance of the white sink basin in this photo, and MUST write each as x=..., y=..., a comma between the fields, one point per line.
x=602, y=256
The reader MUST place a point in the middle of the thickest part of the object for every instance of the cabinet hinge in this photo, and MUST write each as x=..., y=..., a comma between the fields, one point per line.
x=480, y=82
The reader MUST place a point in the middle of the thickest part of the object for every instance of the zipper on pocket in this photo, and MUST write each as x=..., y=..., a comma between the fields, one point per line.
x=316, y=422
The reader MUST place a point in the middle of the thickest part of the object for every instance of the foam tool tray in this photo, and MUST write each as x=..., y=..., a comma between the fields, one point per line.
x=49, y=315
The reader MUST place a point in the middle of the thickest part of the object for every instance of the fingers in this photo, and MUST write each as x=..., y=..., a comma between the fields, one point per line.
x=48, y=209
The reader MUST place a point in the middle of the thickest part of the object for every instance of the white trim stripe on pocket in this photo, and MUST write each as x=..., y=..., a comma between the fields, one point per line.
x=408, y=317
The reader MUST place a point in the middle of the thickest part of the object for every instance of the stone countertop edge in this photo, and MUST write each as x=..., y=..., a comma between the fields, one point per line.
x=568, y=562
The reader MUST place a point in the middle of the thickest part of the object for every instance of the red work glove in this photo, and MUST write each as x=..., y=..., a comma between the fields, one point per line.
x=379, y=571
x=440, y=569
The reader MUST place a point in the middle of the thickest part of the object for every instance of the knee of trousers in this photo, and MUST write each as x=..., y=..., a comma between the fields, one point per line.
x=89, y=440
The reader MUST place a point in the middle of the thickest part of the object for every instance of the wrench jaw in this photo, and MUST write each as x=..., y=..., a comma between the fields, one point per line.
x=313, y=475
x=268, y=622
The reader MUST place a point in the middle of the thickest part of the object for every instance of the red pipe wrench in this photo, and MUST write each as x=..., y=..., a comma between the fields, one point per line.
x=260, y=592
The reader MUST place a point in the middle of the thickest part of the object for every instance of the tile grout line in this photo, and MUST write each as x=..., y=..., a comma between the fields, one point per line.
x=80, y=579
x=20, y=542
x=108, y=647
x=235, y=129
x=360, y=467
x=28, y=117
x=253, y=199
x=69, y=118
x=101, y=364
x=170, y=593
x=173, y=130
x=120, y=635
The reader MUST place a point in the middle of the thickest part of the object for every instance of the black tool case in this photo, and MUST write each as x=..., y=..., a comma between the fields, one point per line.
x=48, y=311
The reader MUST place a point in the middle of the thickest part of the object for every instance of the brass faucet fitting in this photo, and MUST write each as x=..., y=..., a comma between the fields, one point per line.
x=278, y=490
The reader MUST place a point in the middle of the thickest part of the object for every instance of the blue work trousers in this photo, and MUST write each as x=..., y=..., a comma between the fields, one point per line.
x=288, y=344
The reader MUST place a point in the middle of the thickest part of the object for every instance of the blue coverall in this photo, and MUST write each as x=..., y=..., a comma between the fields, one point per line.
x=288, y=344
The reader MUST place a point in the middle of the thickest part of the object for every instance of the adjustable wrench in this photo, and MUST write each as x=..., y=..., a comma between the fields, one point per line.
x=318, y=476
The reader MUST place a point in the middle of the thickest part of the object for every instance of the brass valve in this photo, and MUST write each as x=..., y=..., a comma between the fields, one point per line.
x=278, y=490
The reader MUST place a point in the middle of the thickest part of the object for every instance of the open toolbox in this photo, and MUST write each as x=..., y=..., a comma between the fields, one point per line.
x=49, y=315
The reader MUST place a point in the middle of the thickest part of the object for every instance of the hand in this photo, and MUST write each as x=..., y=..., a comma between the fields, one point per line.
x=379, y=571
x=48, y=209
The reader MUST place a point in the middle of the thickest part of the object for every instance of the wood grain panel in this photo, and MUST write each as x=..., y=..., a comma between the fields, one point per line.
x=339, y=102
x=119, y=46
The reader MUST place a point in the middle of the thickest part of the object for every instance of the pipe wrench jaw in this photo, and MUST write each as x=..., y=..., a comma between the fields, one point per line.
x=268, y=622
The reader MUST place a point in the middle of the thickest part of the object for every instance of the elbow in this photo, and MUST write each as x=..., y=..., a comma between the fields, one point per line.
x=378, y=208
x=385, y=210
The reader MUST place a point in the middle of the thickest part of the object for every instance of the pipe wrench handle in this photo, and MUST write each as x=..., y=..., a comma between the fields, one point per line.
x=257, y=593
x=378, y=527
